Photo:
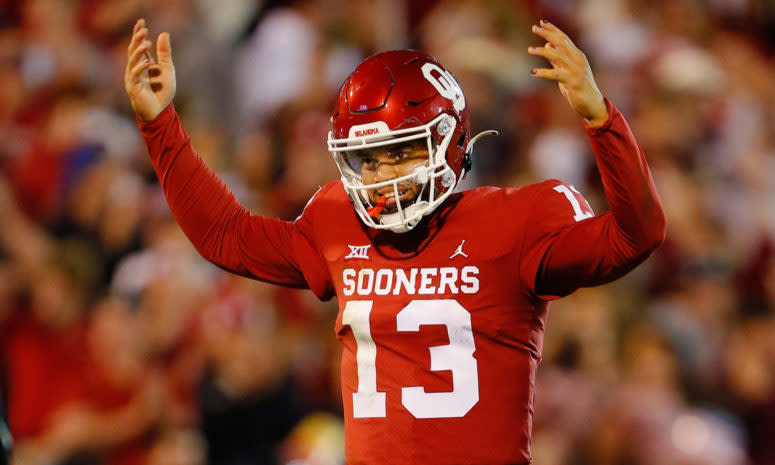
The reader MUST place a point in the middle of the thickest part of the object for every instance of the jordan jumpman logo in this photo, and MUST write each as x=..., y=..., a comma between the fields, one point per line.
x=459, y=251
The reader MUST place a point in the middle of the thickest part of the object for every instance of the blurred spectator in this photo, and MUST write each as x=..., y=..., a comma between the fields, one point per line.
x=247, y=402
x=45, y=364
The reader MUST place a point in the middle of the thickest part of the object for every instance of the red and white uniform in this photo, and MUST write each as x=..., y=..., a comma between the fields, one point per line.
x=442, y=326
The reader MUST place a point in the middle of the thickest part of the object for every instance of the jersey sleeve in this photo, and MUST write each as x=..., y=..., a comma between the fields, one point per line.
x=219, y=227
x=566, y=247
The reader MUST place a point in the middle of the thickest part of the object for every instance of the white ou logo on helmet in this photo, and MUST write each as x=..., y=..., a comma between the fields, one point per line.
x=445, y=84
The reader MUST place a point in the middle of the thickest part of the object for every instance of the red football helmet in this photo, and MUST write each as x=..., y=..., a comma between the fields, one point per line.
x=391, y=98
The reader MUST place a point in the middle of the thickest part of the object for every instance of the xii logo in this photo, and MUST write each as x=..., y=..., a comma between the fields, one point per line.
x=358, y=251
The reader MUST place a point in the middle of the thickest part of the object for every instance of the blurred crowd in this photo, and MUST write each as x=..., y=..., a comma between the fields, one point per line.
x=120, y=345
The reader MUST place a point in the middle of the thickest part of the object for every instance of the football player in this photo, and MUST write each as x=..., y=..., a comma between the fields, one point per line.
x=442, y=295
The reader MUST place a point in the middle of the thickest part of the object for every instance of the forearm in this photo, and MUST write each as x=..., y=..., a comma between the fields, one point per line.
x=221, y=229
x=202, y=204
x=597, y=250
x=637, y=211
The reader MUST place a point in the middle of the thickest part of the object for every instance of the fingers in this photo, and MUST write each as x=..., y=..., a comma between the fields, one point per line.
x=552, y=74
x=553, y=35
x=139, y=33
x=139, y=26
x=567, y=61
x=134, y=73
x=163, y=48
x=139, y=53
x=552, y=54
x=138, y=46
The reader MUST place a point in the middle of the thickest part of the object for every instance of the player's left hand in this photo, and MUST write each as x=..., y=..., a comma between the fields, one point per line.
x=149, y=85
x=571, y=70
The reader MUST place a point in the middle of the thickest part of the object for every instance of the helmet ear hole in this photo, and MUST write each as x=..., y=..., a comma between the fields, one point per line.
x=467, y=162
x=462, y=139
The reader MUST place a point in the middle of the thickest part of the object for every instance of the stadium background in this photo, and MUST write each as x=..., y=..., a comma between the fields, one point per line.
x=121, y=346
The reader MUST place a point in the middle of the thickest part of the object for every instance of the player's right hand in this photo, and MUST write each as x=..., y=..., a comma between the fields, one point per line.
x=150, y=85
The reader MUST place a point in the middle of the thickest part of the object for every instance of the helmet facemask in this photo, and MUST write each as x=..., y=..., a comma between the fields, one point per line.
x=435, y=180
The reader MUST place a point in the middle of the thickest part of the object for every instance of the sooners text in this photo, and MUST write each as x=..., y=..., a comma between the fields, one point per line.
x=421, y=281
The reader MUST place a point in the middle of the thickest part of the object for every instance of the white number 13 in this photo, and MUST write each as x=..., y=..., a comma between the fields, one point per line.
x=457, y=356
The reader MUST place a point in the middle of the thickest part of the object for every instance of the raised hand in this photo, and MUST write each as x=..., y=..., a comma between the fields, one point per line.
x=571, y=70
x=150, y=85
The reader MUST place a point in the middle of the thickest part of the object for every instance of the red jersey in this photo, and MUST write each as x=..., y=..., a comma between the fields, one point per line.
x=442, y=326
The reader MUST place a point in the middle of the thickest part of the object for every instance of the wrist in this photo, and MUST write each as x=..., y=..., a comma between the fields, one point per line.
x=149, y=115
x=599, y=116
x=159, y=120
x=148, y=118
x=597, y=121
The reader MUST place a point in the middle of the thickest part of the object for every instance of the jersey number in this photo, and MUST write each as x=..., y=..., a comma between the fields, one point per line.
x=457, y=356
x=578, y=213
